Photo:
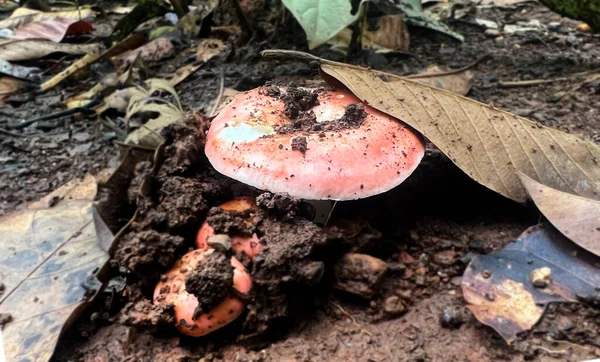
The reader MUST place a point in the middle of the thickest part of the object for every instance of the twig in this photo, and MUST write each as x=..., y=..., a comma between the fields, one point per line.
x=9, y=133
x=450, y=72
x=330, y=213
x=215, y=106
x=66, y=112
x=527, y=83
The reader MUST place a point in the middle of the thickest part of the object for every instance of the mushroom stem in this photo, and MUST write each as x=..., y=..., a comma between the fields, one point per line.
x=323, y=210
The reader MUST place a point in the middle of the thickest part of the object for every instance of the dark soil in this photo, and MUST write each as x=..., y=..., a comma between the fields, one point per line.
x=425, y=231
x=211, y=281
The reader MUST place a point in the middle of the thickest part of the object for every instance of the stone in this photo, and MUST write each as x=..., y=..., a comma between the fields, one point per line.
x=393, y=306
x=359, y=274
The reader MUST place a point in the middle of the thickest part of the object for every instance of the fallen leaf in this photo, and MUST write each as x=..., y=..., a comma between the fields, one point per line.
x=49, y=258
x=488, y=144
x=321, y=19
x=52, y=29
x=390, y=35
x=228, y=95
x=499, y=287
x=155, y=50
x=142, y=12
x=131, y=42
x=19, y=71
x=414, y=15
x=188, y=24
x=145, y=99
x=14, y=50
x=23, y=16
x=456, y=82
x=205, y=51
x=9, y=86
x=578, y=218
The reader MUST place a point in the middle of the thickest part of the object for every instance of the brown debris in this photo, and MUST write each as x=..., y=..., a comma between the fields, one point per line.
x=359, y=274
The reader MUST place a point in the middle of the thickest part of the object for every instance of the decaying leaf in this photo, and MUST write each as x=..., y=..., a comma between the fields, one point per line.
x=19, y=71
x=190, y=23
x=488, y=144
x=321, y=19
x=13, y=50
x=49, y=255
x=389, y=35
x=228, y=95
x=51, y=29
x=456, y=82
x=146, y=99
x=155, y=50
x=500, y=287
x=22, y=16
x=205, y=51
x=578, y=218
x=141, y=13
x=9, y=85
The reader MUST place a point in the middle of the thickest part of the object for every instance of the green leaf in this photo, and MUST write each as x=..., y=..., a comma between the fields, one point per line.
x=321, y=19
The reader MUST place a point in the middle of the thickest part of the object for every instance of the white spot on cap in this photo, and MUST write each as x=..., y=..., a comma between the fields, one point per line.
x=245, y=133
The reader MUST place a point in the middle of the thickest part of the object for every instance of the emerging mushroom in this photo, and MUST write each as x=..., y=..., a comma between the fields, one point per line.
x=204, y=286
x=313, y=144
x=249, y=244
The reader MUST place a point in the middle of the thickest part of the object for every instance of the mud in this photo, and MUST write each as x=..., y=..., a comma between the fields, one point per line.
x=211, y=281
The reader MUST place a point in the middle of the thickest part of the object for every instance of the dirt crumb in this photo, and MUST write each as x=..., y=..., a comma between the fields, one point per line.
x=148, y=253
x=298, y=100
x=5, y=318
x=211, y=281
x=299, y=144
x=354, y=116
x=282, y=205
x=146, y=314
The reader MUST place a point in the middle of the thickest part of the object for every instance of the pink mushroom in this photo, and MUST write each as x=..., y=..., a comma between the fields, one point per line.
x=250, y=245
x=327, y=162
x=173, y=290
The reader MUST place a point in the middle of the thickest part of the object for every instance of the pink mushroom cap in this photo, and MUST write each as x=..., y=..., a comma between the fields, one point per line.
x=242, y=143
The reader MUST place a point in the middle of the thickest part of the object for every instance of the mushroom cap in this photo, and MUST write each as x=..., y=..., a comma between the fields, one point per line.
x=346, y=164
x=172, y=290
x=250, y=245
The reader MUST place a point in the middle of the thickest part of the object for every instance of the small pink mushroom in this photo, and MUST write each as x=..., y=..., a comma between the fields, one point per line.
x=173, y=290
x=250, y=245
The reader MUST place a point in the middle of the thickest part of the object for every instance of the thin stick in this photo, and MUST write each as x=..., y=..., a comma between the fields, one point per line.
x=330, y=213
x=215, y=106
x=450, y=72
x=9, y=133
x=528, y=83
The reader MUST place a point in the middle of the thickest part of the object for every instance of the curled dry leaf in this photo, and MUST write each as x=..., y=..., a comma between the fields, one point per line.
x=49, y=255
x=147, y=100
x=456, y=82
x=14, y=49
x=8, y=86
x=52, y=29
x=503, y=290
x=19, y=71
x=488, y=144
x=155, y=50
x=22, y=16
x=578, y=218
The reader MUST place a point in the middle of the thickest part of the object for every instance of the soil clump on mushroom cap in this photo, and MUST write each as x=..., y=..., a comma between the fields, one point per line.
x=210, y=281
x=298, y=108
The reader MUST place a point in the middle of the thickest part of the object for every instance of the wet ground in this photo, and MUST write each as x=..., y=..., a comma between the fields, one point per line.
x=426, y=230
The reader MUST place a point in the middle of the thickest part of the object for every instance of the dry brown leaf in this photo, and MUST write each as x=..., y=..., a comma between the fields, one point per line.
x=9, y=85
x=488, y=144
x=228, y=95
x=578, y=218
x=390, y=35
x=22, y=16
x=50, y=29
x=456, y=82
x=47, y=255
x=12, y=50
x=155, y=50
x=205, y=51
x=500, y=287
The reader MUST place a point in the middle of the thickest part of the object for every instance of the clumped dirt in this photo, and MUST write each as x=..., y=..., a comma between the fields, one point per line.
x=210, y=281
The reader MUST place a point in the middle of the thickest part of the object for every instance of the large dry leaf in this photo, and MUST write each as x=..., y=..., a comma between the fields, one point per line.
x=205, y=51
x=23, y=16
x=153, y=51
x=13, y=50
x=50, y=29
x=49, y=255
x=488, y=144
x=390, y=35
x=578, y=218
x=499, y=287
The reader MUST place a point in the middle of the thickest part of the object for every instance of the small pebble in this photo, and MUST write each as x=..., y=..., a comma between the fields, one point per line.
x=540, y=277
x=491, y=33
x=451, y=318
x=393, y=306
x=486, y=274
x=5, y=318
